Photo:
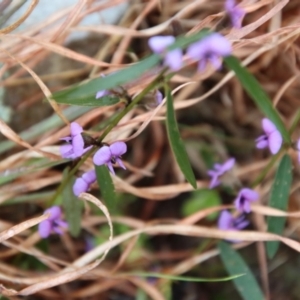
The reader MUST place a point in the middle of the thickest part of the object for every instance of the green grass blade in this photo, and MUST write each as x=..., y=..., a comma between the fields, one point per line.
x=258, y=95
x=90, y=101
x=246, y=285
x=72, y=207
x=106, y=187
x=176, y=143
x=279, y=199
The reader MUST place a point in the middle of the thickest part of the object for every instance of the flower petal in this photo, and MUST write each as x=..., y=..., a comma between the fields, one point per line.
x=66, y=151
x=262, y=142
x=44, y=229
x=228, y=165
x=225, y=220
x=101, y=94
x=118, y=148
x=111, y=168
x=80, y=186
x=173, y=59
x=78, y=145
x=249, y=194
x=102, y=156
x=158, y=97
x=89, y=177
x=55, y=212
x=159, y=43
x=268, y=126
x=75, y=129
x=120, y=163
x=275, y=141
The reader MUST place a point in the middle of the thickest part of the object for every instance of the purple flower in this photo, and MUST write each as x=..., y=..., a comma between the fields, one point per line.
x=53, y=223
x=102, y=93
x=218, y=171
x=298, y=148
x=158, y=97
x=245, y=196
x=272, y=137
x=159, y=44
x=75, y=148
x=228, y=222
x=235, y=13
x=110, y=154
x=210, y=49
x=82, y=184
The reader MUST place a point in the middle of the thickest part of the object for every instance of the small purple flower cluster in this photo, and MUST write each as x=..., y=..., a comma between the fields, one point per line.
x=54, y=223
x=235, y=13
x=273, y=140
x=208, y=50
x=106, y=155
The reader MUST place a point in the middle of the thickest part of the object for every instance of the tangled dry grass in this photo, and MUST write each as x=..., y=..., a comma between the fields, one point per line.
x=37, y=62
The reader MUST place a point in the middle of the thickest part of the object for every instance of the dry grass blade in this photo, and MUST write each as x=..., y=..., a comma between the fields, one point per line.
x=21, y=20
x=42, y=85
x=7, y=234
x=10, y=134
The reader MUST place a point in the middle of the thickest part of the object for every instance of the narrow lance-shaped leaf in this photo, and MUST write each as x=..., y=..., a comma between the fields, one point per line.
x=258, y=95
x=90, y=101
x=246, y=285
x=107, y=188
x=72, y=207
x=279, y=199
x=177, y=144
x=183, y=278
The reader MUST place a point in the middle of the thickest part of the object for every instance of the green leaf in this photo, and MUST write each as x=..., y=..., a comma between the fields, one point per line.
x=255, y=91
x=72, y=207
x=183, y=278
x=177, y=144
x=80, y=92
x=199, y=200
x=106, y=187
x=279, y=199
x=234, y=264
x=90, y=101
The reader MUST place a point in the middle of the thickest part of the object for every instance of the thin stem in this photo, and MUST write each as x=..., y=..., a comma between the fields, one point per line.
x=295, y=122
x=136, y=100
x=265, y=171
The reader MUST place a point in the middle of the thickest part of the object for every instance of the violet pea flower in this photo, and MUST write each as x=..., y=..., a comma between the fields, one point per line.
x=235, y=12
x=226, y=221
x=245, y=196
x=210, y=49
x=82, y=184
x=53, y=224
x=218, y=171
x=110, y=154
x=75, y=148
x=172, y=59
x=272, y=137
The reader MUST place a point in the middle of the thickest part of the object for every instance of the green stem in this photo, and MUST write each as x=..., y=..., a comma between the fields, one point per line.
x=135, y=101
x=265, y=171
x=295, y=122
